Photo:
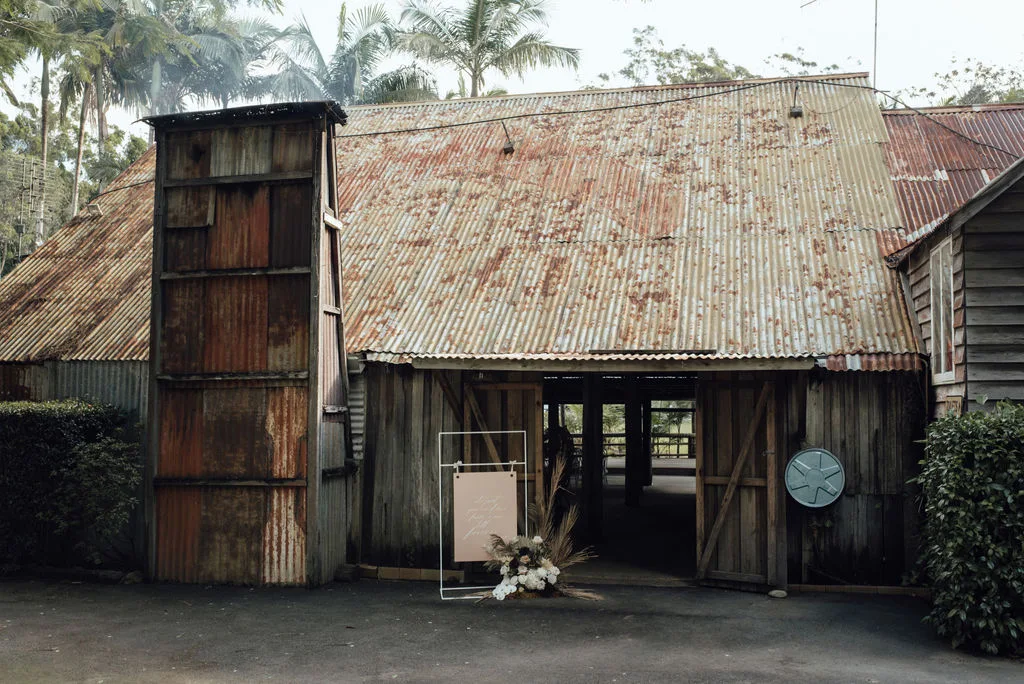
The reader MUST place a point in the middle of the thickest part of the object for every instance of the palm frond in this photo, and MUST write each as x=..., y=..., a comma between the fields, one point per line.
x=532, y=50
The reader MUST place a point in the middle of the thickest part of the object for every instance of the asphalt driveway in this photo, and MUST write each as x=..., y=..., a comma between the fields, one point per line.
x=401, y=631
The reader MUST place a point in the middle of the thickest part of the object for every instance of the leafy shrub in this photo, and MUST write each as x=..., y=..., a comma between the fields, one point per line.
x=69, y=472
x=972, y=481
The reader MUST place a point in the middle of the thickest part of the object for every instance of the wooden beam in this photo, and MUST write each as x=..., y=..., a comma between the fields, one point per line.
x=449, y=392
x=634, y=426
x=233, y=273
x=474, y=407
x=261, y=178
x=592, y=461
x=331, y=222
x=601, y=366
x=232, y=377
x=772, y=471
x=504, y=386
x=720, y=480
x=699, y=456
x=730, y=491
x=215, y=482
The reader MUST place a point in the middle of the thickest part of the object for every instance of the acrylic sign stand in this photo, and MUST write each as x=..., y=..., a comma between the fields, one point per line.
x=453, y=468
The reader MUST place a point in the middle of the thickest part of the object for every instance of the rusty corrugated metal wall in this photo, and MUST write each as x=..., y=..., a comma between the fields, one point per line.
x=119, y=383
x=250, y=428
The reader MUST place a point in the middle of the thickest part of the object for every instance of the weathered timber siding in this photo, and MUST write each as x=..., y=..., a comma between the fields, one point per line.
x=947, y=394
x=871, y=422
x=994, y=279
x=405, y=409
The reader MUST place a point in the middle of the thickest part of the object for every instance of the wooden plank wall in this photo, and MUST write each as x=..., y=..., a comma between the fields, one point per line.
x=949, y=393
x=993, y=252
x=870, y=421
x=405, y=409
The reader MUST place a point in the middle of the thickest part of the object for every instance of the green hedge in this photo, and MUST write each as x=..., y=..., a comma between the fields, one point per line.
x=972, y=481
x=69, y=473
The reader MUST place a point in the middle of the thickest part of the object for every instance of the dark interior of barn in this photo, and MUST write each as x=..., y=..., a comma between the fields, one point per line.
x=629, y=442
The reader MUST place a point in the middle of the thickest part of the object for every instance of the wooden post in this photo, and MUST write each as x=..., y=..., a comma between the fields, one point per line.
x=772, y=475
x=648, y=471
x=635, y=465
x=700, y=453
x=592, y=461
x=155, y=337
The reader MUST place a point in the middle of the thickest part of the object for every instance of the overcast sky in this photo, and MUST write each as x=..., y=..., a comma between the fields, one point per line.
x=916, y=38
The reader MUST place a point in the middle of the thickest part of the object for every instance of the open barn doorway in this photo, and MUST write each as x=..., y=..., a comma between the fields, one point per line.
x=630, y=440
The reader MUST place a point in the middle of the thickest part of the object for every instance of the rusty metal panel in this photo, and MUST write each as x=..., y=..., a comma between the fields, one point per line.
x=185, y=250
x=284, y=537
x=84, y=294
x=293, y=148
x=288, y=323
x=181, y=426
x=452, y=247
x=230, y=540
x=935, y=171
x=286, y=427
x=243, y=151
x=290, y=208
x=189, y=155
x=236, y=443
x=235, y=324
x=240, y=236
x=189, y=207
x=718, y=223
x=178, y=518
x=183, y=336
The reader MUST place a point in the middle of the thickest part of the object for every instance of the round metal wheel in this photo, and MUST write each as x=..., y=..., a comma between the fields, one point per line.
x=815, y=477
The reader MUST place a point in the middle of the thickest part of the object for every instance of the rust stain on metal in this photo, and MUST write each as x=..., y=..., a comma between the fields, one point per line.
x=717, y=223
x=284, y=538
x=935, y=172
x=178, y=518
x=287, y=419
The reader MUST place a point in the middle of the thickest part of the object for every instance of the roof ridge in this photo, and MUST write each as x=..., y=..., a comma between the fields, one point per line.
x=602, y=91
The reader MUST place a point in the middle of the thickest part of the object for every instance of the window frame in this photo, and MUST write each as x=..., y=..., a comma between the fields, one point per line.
x=941, y=375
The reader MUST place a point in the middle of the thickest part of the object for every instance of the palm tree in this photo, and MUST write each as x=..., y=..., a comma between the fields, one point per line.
x=349, y=76
x=499, y=35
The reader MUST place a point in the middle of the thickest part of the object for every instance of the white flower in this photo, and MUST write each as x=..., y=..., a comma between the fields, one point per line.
x=538, y=540
x=504, y=569
x=546, y=564
x=523, y=570
x=552, y=578
x=514, y=580
x=542, y=572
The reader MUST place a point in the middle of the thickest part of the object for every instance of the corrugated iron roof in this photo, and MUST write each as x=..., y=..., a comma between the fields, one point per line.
x=717, y=224
x=935, y=171
x=84, y=294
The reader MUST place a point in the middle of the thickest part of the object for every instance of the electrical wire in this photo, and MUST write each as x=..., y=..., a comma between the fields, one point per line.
x=702, y=96
x=655, y=103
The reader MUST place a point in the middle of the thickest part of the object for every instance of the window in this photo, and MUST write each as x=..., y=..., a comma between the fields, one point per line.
x=941, y=275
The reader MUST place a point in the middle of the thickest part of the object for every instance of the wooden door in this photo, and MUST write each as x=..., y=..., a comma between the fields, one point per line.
x=737, y=482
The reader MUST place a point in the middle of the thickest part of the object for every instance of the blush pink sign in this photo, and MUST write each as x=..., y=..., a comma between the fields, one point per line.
x=484, y=504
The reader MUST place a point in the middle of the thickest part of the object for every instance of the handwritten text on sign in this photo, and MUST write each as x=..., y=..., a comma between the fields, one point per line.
x=485, y=504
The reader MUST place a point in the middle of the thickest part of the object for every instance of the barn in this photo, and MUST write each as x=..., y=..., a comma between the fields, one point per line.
x=713, y=250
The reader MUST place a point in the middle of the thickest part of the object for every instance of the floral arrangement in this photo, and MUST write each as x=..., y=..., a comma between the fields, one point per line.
x=530, y=566
x=525, y=566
